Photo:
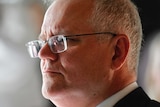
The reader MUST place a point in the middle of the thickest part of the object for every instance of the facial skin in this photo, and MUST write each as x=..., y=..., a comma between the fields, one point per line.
x=83, y=75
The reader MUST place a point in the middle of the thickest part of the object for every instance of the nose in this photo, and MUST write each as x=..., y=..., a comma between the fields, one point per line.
x=46, y=53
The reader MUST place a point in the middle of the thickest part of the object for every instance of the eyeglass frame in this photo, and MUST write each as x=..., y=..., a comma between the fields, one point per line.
x=34, y=52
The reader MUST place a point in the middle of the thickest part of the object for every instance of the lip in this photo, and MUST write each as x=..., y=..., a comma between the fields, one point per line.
x=50, y=72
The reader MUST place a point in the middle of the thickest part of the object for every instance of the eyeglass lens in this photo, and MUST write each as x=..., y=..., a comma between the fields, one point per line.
x=34, y=48
x=57, y=44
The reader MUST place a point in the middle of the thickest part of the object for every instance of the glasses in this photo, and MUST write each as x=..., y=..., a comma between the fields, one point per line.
x=57, y=44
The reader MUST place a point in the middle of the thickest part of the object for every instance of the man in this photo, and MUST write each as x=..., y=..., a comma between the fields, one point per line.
x=89, y=54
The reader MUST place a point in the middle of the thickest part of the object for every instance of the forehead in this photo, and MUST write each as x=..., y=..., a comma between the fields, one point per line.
x=64, y=15
x=70, y=8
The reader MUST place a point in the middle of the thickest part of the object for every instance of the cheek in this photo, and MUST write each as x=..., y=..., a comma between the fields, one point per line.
x=74, y=66
x=88, y=67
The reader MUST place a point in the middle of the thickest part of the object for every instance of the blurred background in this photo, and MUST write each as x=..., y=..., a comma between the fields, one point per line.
x=149, y=65
x=20, y=77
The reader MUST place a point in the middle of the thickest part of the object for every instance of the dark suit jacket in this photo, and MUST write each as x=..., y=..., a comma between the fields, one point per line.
x=137, y=98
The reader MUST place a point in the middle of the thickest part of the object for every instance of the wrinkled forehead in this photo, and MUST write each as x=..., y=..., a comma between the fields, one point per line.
x=67, y=12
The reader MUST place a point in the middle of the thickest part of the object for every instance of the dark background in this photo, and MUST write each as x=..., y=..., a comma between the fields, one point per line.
x=150, y=16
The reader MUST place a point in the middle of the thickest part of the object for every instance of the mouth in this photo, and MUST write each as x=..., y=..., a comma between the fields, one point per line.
x=50, y=72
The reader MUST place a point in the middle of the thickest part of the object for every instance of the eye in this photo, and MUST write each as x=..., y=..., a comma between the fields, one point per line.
x=72, y=39
x=59, y=39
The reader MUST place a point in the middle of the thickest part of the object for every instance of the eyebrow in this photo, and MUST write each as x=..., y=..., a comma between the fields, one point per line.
x=43, y=36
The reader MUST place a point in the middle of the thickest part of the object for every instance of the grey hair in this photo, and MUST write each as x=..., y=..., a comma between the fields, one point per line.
x=120, y=17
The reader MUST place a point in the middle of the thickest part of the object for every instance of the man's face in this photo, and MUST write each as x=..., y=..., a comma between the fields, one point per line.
x=84, y=67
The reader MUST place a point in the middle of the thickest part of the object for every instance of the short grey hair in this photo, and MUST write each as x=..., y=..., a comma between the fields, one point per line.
x=120, y=17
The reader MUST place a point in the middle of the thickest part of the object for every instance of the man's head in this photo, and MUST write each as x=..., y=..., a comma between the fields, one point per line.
x=93, y=67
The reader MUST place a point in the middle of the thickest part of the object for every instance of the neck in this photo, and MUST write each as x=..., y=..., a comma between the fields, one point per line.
x=121, y=79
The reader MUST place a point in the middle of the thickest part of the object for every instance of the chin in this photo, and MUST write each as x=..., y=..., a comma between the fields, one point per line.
x=51, y=87
x=46, y=91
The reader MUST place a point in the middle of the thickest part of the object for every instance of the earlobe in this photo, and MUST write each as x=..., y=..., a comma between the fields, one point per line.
x=121, y=48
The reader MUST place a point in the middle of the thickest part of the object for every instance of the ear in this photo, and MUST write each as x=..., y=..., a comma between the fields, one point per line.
x=121, y=48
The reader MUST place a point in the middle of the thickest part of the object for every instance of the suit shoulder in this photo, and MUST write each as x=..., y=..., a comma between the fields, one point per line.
x=154, y=103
